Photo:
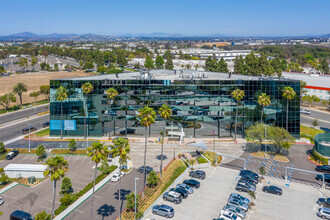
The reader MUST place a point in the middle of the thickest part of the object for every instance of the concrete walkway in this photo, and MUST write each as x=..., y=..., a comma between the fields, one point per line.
x=4, y=189
x=85, y=196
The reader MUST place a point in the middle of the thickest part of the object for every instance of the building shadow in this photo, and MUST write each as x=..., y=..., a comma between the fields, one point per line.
x=106, y=210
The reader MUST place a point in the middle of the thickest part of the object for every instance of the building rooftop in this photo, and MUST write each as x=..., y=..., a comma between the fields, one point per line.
x=310, y=79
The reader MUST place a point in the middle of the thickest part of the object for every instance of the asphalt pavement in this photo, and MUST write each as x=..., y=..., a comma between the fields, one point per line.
x=323, y=118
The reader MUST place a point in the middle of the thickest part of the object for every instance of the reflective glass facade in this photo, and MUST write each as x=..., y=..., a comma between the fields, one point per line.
x=199, y=106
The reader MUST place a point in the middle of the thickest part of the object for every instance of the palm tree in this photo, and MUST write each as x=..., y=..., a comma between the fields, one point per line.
x=112, y=94
x=120, y=148
x=57, y=166
x=19, y=89
x=238, y=95
x=263, y=100
x=86, y=88
x=61, y=94
x=98, y=153
x=147, y=117
x=165, y=112
x=288, y=94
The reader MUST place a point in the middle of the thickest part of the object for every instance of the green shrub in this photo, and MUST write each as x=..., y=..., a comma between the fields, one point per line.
x=177, y=172
x=202, y=160
x=311, y=138
x=2, y=148
x=152, y=179
x=318, y=157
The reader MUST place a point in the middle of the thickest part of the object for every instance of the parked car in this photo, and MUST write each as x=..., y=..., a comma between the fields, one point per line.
x=238, y=212
x=163, y=210
x=20, y=215
x=12, y=154
x=148, y=169
x=238, y=203
x=184, y=193
x=325, y=202
x=305, y=111
x=272, y=189
x=228, y=215
x=326, y=177
x=128, y=131
x=323, y=213
x=46, y=124
x=249, y=172
x=244, y=188
x=192, y=183
x=324, y=168
x=173, y=197
x=1, y=201
x=249, y=178
x=197, y=174
x=186, y=187
x=247, y=182
x=238, y=196
x=26, y=130
x=117, y=176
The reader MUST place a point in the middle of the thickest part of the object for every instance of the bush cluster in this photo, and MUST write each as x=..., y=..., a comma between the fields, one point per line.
x=315, y=156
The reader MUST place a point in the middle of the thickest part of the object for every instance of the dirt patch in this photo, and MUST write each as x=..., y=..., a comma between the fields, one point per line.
x=34, y=81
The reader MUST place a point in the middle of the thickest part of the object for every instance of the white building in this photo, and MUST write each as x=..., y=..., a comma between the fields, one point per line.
x=25, y=170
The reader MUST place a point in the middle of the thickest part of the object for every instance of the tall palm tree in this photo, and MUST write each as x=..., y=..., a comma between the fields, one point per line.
x=111, y=94
x=288, y=94
x=19, y=89
x=86, y=88
x=147, y=117
x=57, y=166
x=238, y=95
x=61, y=94
x=98, y=153
x=120, y=148
x=263, y=100
x=165, y=112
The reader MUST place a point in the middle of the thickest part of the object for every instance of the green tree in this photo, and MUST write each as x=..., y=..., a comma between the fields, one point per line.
x=86, y=88
x=167, y=55
x=98, y=153
x=288, y=94
x=324, y=103
x=280, y=138
x=66, y=185
x=252, y=195
x=43, y=216
x=72, y=145
x=165, y=112
x=188, y=66
x=2, y=148
x=169, y=64
x=137, y=65
x=19, y=89
x=23, y=61
x=262, y=171
x=196, y=66
x=34, y=61
x=324, y=66
x=4, y=179
x=239, y=65
x=45, y=90
x=34, y=95
x=147, y=117
x=159, y=62
x=88, y=65
x=315, y=122
x=263, y=100
x=238, y=95
x=112, y=93
x=61, y=94
x=252, y=64
x=315, y=98
x=130, y=205
x=105, y=167
x=66, y=199
x=7, y=99
x=222, y=66
x=211, y=64
x=152, y=179
x=276, y=64
x=256, y=133
x=2, y=70
x=308, y=99
x=56, y=67
x=57, y=167
x=101, y=69
x=149, y=63
x=40, y=151
x=43, y=65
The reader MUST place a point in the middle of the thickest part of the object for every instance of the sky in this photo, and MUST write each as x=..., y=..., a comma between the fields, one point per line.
x=186, y=17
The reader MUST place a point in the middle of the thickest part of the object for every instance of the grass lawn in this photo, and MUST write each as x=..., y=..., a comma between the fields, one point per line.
x=3, y=156
x=43, y=132
x=309, y=130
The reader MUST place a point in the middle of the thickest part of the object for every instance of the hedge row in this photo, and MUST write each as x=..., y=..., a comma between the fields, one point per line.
x=318, y=157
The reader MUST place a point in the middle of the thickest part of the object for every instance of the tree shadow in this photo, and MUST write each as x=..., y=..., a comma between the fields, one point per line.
x=106, y=210
x=123, y=194
x=160, y=157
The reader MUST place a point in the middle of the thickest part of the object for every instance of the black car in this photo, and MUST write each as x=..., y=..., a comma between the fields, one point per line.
x=26, y=130
x=326, y=177
x=148, y=169
x=192, y=183
x=184, y=193
x=249, y=178
x=12, y=154
x=325, y=202
x=324, y=168
x=197, y=174
x=249, y=173
x=128, y=131
x=46, y=124
x=272, y=189
x=20, y=215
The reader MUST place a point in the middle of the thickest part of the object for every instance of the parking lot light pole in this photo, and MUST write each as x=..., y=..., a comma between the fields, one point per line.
x=214, y=144
x=135, y=198
x=87, y=135
x=189, y=146
x=265, y=141
x=29, y=139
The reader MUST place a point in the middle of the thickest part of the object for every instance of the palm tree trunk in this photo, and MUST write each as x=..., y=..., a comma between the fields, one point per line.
x=110, y=120
x=61, y=119
x=287, y=113
x=20, y=99
x=262, y=112
x=236, y=119
x=119, y=193
x=161, y=156
x=54, y=194
x=93, y=191
x=85, y=119
x=145, y=155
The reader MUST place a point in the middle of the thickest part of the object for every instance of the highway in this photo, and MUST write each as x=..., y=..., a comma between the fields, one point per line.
x=323, y=119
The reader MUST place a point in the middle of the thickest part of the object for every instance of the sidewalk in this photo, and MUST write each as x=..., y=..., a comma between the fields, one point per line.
x=24, y=109
x=4, y=189
x=68, y=210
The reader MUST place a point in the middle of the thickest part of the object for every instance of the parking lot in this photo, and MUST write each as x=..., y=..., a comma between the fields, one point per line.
x=38, y=198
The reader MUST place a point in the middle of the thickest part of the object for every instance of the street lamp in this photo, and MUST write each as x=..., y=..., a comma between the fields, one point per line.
x=265, y=141
x=135, y=198
x=29, y=139
x=214, y=144
x=189, y=145
x=87, y=135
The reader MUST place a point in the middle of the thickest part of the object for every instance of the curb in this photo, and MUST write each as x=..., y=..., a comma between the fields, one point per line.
x=5, y=189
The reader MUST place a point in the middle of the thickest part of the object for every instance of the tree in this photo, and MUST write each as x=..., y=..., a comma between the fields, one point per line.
x=57, y=167
x=43, y=65
x=45, y=90
x=66, y=199
x=111, y=94
x=7, y=99
x=252, y=64
x=130, y=205
x=34, y=95
x=280, y=138
x=315, y=98
x=167, y=55
x=262, y=171
x=149, y=63
x=324, y=66
x=105, y=167
x=196, y=66
x=315, y=122
x=101, y=69
x=308, y=99
x=4, y=179
x=303, y=91
x=34, y=61
x=72, y=145
x=256, y=133
x=252, y=195
x=2, y=148
x=159, y=62
x=288, y=94
x=211, y=64
x=66, y=185
x=276, y=64
x=238, y=95
x=40, y=152
x=86, y=89
x=97, y=152
x=324, y=103
x=169, y=64
x=147, y=117
x=152, y=179
x=2, y=70
x=137, y=65
x=263, y=100
x=165, y=112
x=222, y=66
x=43, y=216
x=239, y=65
x=188, y=66
x=19, y=89
x=56, y=67
x=61, y=94
x=23, y=61
x=88, y=65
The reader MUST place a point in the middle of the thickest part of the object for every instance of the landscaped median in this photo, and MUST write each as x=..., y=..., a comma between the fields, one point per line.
x=172, y=171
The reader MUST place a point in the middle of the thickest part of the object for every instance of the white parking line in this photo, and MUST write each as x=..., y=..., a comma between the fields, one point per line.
x=44, y=207
x=79, y=211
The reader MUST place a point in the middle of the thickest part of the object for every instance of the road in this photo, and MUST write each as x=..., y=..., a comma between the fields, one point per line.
x=323, y=118
x=5, y=118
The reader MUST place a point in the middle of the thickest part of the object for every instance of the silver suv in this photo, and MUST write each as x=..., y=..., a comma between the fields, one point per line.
x=238, y=203
x=163, y=210
x=324, y=213
x=173, y=197
x=237, y=211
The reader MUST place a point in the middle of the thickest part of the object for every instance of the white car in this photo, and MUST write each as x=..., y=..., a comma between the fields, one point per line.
x=117, y=176
x=1, y=201
x=228, y=215
x=305, y=111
